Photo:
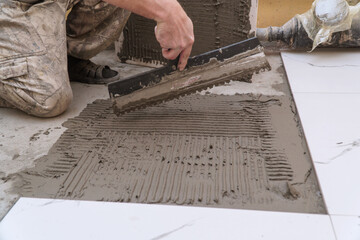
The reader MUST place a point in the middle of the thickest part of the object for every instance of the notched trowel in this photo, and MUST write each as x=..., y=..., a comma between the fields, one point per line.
x=234, y=62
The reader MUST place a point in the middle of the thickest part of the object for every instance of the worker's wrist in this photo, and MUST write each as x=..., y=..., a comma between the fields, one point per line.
x=168, y=9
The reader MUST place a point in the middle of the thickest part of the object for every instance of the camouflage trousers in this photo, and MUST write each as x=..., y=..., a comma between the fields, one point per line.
x=35, y=38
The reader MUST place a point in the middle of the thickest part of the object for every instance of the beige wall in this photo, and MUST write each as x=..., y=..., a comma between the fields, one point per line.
x=278, y=12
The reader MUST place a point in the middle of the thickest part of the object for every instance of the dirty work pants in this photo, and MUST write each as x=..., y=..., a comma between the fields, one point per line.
x=35, y=38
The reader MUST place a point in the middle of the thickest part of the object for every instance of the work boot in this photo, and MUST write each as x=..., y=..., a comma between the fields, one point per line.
x=86, y=71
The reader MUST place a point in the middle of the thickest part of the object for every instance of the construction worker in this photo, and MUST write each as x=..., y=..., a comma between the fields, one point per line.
x=36, y=40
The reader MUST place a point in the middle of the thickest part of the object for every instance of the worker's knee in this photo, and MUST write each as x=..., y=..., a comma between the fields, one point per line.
x=55, y=104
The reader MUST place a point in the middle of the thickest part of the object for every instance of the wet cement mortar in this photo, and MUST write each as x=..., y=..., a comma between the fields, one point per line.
x=243, y=151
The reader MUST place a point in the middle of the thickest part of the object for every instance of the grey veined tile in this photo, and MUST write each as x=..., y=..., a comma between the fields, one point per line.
x=323, y=71
x=44, y=219
x=331, y=124
x=346, y=227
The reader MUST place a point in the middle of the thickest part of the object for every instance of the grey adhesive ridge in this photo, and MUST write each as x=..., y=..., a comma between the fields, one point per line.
x=216, y=24
x=220, y=151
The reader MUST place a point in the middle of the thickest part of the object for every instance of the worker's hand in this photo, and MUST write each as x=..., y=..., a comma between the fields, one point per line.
x=176, y=36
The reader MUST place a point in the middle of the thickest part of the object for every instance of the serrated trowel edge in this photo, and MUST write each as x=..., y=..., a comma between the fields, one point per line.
x=213, y=73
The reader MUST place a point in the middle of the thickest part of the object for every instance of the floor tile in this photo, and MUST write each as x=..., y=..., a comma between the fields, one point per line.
x=323, y=71
x=331, y=124
x=67, y=219
x=346, y=227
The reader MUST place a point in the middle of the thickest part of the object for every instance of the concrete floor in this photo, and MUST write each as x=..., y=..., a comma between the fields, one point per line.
x=327, y=94
x=24, y=138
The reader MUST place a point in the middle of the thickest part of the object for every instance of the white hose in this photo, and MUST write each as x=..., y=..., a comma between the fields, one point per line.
x=327, y=17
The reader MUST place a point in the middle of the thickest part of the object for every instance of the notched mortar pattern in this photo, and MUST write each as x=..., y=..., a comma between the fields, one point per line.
x=199, y=150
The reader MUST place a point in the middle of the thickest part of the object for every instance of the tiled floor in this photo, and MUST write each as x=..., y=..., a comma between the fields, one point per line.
x=331, y=124
x=346, y=227
x=326, y=88
x=323, y=71
x=104, y=220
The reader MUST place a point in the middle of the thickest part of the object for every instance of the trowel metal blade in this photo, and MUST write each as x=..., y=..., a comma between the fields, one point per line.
x=234, y=62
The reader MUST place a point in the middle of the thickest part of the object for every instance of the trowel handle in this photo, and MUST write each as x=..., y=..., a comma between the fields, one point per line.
x=174, y=63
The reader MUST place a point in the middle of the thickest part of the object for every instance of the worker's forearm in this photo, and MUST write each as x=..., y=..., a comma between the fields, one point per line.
x=157, y=10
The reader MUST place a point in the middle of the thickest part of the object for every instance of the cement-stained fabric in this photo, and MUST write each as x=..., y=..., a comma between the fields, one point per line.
x=92, y=26
x=33, y=49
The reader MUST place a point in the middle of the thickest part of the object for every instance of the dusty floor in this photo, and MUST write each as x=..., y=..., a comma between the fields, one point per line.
x=238, y=151
x=17, y=152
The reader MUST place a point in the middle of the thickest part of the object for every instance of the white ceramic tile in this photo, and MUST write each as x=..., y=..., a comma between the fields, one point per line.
x=323, y=71
x=346, y=227
x=66, y=219
x=331, y=124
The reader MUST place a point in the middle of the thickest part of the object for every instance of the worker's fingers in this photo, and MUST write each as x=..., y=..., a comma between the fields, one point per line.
x=184, y=56
x=176, y=37
x=171, y=54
